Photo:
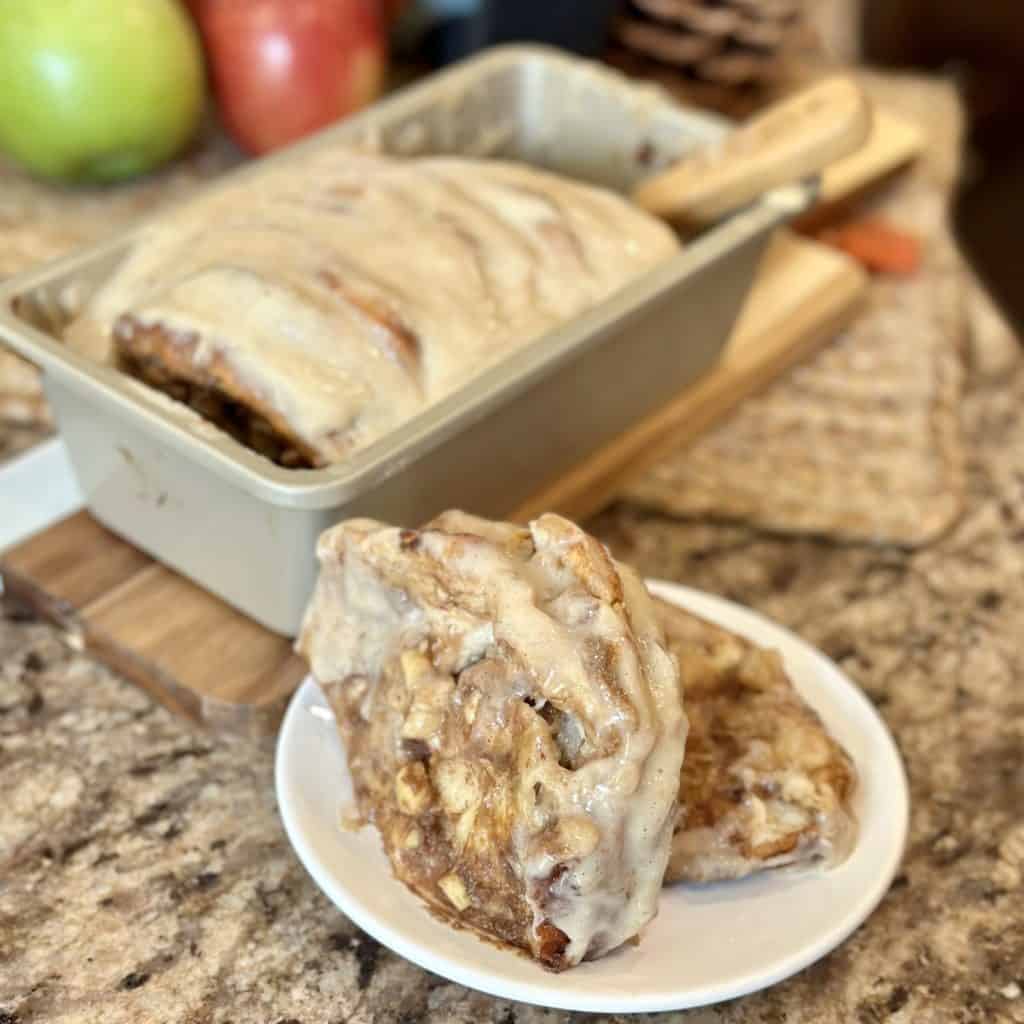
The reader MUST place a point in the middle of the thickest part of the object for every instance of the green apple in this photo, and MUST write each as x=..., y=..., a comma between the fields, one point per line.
x=97, y=90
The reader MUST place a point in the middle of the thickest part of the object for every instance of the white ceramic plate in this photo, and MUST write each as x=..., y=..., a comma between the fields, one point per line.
x=707, y=944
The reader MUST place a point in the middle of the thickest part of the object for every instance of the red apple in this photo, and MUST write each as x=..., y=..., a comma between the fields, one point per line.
x=393, y=10
x=282, y=69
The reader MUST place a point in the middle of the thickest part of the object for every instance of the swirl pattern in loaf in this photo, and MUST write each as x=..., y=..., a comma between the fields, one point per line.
x=512, y=720
x=310, y=310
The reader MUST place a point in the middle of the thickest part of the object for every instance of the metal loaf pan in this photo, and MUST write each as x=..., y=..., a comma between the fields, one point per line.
x=245, y=529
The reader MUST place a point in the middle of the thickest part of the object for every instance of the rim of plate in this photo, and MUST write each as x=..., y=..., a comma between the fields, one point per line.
x=556, y=991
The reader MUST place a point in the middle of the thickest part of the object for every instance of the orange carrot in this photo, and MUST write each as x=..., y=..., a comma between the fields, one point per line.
x=876, y=245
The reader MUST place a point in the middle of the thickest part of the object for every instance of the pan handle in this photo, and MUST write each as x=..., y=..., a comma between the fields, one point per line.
x=796, y=137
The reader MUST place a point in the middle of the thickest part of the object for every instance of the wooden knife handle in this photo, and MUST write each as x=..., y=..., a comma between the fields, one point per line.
x=787, y=141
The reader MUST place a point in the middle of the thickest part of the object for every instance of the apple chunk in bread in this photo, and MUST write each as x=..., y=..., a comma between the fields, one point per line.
x=512, y=722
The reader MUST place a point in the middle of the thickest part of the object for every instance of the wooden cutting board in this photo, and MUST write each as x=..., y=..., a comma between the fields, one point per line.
x=211, y=663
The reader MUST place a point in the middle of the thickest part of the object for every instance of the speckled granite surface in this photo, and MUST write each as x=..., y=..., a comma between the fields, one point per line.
x=16, y=438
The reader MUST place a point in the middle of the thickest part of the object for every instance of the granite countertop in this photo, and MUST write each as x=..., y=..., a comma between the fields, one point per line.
x=145, y=876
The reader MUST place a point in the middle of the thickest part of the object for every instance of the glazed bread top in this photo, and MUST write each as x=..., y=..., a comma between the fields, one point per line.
x=350, y=293
x=562, y=651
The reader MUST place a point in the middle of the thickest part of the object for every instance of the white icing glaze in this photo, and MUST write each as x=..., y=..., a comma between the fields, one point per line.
x=273, y=275
x=472, y=597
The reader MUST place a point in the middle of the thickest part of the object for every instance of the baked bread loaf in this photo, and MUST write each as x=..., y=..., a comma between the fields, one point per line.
x=309, y=312
x=512, y=723
x=763, y=784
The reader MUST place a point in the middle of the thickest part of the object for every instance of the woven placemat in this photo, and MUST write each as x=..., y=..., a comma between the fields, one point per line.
x=864, y=442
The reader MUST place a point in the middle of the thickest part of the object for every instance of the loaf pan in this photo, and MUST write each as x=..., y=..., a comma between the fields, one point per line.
x=157, y=474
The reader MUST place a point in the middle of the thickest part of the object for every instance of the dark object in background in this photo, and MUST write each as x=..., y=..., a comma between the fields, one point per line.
x=988, y=223
x=578, y=25
x=982, y=43
x=730, y=43
x=581, y=26
x=729, y=56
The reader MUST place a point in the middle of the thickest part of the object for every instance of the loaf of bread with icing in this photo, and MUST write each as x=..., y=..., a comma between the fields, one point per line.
x=512, y=721
x=310, y=310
